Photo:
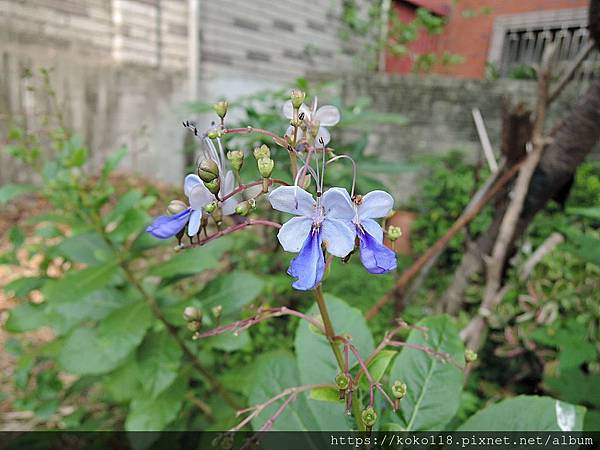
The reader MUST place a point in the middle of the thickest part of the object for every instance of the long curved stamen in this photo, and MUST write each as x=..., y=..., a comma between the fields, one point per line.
x=222, y=152
x=335, y=158
x=212, y=151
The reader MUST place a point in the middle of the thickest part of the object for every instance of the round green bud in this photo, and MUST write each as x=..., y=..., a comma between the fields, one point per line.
x=243, y=208
x=369, y=416
x=194, y=325
x=236, y=158
x=262, y=152
x=470, y=355
x=393, y=232
x=399, y=389
x=213, y=134
x=217, y=311
x=208, y=170
x=296, y=122
x=191, y=313
x=213, y=186
x=265, y=167
x=342, y=381
x=176, y=206
x=211, y=207
x=221, y=108
x=297, y=97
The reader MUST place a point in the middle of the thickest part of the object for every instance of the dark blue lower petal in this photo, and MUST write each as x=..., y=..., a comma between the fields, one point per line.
x=165, y=227
x=308, y=267
x=376, y=257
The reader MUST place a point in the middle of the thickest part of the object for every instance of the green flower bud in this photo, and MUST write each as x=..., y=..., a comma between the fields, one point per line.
x=369, y=416
x=262, y=152
x=217, y=215
x=470, y=355
x=236, y=158
x=176, y=206
x=393, y=233
x=221, y=109
x=191, y=313
x=217, y=311
x=208, y=170
x=297, y=97
x=342, y=381
x=295, y=122
x=213, y=186
x=211, y=207
x=213, y=134
x=243, y=208
x=265, y=167
x=194, y=325
x=314, y=128
x=399, y=389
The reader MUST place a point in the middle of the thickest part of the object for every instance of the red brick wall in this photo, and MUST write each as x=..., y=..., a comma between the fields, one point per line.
x=471, y=36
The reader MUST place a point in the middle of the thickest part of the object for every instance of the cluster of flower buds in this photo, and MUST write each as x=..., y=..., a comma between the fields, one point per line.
x=264, y=163
x=244, y=208
x=208, y=171
x=193, y=317
x=470, y=355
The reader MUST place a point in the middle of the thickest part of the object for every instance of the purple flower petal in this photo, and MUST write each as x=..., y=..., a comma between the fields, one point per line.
x=309, y=266
x=376, y=257
x=165, y=227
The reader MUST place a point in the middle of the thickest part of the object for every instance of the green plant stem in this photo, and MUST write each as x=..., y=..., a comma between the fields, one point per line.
x=329, y=333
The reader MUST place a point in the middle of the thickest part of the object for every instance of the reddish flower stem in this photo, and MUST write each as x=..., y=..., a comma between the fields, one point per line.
x=232, y=229
x=243, y=187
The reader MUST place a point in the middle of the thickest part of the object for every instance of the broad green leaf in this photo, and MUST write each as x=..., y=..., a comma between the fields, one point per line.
x=583, y=246
x=125, y=203
x=273, y=373
x=232, y=291
x=159, y=358
x=123, y=383
x=133, y=222
x=154, y=414
x=316, y=362
x=77, y=284
x=192, y=261
x=113, y=161
x=26, y=317
x=325, y=394
x=9, y=192
x=229, y=342
x=100, y=350
x=527, y=413
x=23, y=286
x=592, y=213
x=87, y=248
x=433, y=387
x=378, y=366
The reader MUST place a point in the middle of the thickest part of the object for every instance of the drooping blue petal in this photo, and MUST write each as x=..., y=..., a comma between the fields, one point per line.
x=376, y=257
x=165, y=227
x=309, y=266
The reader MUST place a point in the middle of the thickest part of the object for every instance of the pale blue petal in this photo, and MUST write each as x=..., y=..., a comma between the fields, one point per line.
x=373, y=228
x=194, y=225
x=165, y=227
x=293, y=200
x=375, y=204
x=190, y=182
x=200, y=196
x=339, y=236
x=337, y=204
x=309, y=266
x=293, y=233
x=328, y=115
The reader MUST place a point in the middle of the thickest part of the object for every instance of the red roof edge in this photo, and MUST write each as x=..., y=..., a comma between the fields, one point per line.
x=439, y=7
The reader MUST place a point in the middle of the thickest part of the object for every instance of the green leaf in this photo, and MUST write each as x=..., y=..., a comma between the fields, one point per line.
x=100, y=350
x=592, y=213
x=159, y=358
x=87, y=248
x=232, y=291
x=433, y=387
x=77, y=284
x=123, y=383
x=325, y=394
x=154, y=414
x=113, y=161
x=9, y=192
x=527, y=413
x=192, y=261
x=23, y=286
x=378, y=366
x=316, y=362
x=273, y=373
x=229, y=342
x=26, y=317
